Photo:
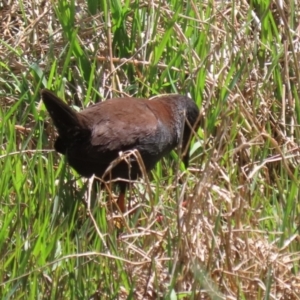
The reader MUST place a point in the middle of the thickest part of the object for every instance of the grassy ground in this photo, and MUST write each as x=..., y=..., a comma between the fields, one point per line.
x=239, y=236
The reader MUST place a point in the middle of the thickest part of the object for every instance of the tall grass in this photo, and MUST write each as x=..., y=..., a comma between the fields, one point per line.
x=238, y=236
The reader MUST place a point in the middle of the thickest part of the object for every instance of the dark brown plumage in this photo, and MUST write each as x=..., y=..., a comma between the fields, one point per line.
x=93, y=138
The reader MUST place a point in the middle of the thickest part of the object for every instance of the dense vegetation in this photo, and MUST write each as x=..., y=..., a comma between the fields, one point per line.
x=238, y=237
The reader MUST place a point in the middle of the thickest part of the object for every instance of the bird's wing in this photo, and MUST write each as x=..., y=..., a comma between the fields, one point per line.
x=121, y=124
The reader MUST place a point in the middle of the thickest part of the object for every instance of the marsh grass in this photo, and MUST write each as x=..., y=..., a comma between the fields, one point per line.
x=238, y=237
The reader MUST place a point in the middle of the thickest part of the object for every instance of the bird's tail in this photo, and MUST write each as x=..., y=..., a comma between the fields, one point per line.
x=64, y=118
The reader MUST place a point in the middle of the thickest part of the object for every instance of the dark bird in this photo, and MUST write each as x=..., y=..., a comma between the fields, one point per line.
x=94, y=137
